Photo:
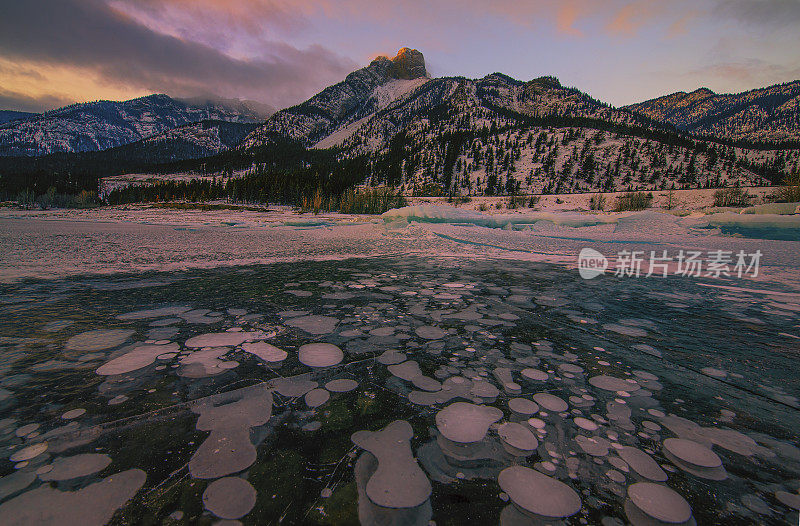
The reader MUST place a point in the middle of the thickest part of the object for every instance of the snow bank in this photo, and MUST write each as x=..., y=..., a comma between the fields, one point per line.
x=757, y=226
x=453, y=215
x=651, y=222
x=774, y=208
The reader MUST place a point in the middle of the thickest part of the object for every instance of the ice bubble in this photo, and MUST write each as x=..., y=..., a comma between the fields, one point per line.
x=426, y=383
x=464, y=422
x=314, y=324
x=570, y=368
x=382, y=331
x=519, y=438
x=407, y=370
x=229, y=416
x=98, y=340
x=612, y=383
x=550, y=402
x=229, y=497
x=625, y=330
x=642, y=463
x=28, y=452
x=26, y=430
x=342, y=385
x=117, y=400
x=731, y=440
x=67, y=468
x=534, y=374
x=317, y=397
x=398, y=481
x=656, y=502
x=585, y=423
x=619, y=464
x=523, y=406
x=294, y=386
x=57, y=325
x=484, y=389
x=93, y=504
x=391, y=357
x=537, y=494
x=428, y=332
x=753, y=503
x=694, y=458
x=292, y=313
x=14, y=483
x=616, y=476
x=789, y=499
x=537, y=423
x=716, y=373
x=223, y=339
x=153, y=313
x=201, y=364
x=594, y=446
x=267, y=352
x=320, y=354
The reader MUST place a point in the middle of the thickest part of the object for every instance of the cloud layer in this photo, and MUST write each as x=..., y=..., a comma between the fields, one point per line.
x=91, y=35
x=282, y=51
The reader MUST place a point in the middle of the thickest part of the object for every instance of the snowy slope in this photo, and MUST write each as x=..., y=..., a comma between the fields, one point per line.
x=765, y=114
x=105, y=124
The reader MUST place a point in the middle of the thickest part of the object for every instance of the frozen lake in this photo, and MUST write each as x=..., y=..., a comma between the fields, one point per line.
x=185, y=368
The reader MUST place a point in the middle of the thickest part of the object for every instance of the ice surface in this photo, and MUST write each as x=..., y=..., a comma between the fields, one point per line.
x=514, y=313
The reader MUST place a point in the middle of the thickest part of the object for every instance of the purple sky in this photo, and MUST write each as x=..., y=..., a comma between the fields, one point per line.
x=280, y=52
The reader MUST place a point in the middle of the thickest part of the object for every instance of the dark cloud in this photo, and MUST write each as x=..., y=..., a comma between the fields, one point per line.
x=11, y=100
x=90, y=34
x=774, y=13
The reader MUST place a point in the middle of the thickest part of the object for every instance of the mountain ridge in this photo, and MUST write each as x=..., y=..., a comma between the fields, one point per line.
x=100, y=125
x=771, y=113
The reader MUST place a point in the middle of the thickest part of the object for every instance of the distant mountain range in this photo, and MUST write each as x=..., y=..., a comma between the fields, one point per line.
x=101, y=125
x=391, y=123
x=765, y=114
x=12, y=115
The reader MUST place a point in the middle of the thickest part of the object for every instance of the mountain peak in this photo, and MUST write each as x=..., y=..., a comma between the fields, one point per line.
x=407, y=64
x=703, y=92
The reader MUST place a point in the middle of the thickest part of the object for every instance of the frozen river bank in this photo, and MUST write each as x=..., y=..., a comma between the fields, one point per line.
x=188, y=368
